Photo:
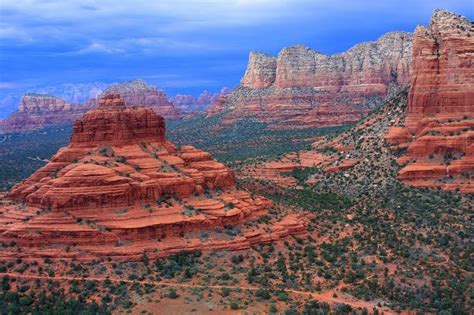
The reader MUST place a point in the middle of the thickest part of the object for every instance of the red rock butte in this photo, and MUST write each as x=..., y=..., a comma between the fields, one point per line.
x=120, y=188
x=439, y=128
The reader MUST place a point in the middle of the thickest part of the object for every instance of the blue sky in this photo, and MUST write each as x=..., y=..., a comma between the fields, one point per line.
x=183, y=45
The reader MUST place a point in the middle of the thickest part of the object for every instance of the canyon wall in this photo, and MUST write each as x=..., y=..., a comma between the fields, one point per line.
x=438, y=130
x=303, y=88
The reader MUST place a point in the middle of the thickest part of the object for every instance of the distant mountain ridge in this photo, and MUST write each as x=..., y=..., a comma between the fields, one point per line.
x=73, y=93
x=54, y=105
x=39, y=110
x=187, y=103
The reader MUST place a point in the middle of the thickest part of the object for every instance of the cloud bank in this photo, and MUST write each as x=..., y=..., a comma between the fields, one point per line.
x=201, y=43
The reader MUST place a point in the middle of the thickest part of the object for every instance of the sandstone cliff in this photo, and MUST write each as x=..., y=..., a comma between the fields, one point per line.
x=438, y=130
x=429, y=132
x=304, y=88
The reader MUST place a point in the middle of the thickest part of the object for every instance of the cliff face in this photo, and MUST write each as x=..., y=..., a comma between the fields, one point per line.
x=431, y=126
x=304, y=88
x=120, y=180
x=261, y=71
x=443, y=76
x=438, y=130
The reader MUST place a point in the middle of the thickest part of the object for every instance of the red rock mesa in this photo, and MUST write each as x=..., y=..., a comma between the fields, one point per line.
x=303, y=88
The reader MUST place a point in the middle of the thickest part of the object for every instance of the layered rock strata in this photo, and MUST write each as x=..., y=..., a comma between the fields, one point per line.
x=120, y=181
x=304, y=88
x=431, y=134
x=438, y=130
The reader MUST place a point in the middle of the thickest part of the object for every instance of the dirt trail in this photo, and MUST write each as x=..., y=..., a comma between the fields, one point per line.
x=326, y=296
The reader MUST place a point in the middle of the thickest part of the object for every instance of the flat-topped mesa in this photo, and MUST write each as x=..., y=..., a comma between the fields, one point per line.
x=36, y=103
x=303, y=88
x=378, y=63
x=39, y=110
x=112, y=123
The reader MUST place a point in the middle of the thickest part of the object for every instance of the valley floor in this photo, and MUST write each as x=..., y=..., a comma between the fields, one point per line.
x=372, y=243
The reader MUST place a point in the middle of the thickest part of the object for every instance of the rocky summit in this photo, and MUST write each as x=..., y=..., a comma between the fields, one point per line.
x=120, y=185
x=303, y=88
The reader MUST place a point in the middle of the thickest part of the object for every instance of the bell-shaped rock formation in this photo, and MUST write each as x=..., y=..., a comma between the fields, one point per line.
x=120, y=181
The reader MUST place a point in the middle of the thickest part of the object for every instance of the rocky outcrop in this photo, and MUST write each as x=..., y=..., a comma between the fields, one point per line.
x=304, y=88
x=429, y=132
x=443, y=79
x=438, y=130
x=120, y=180
x=261, y=71
x=39, y=110
x=137, y=92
